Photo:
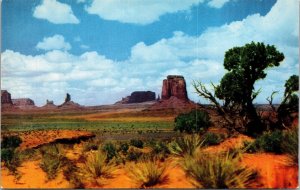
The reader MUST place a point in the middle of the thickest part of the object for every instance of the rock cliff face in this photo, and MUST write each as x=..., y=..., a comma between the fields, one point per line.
x=174, y=95
x=68, y=104
x=141, y=96
x=138, y=97
x=49, y=105
x=6, y=97
x=23, y=103
x=175, y=86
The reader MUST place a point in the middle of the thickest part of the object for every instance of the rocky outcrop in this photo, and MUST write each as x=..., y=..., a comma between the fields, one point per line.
x=68, y=104
x=49, y=105
x=6, y=98
x=175, y=86
x=23, y=103
x=138, y=97
x=141, y=96
x=174, y=95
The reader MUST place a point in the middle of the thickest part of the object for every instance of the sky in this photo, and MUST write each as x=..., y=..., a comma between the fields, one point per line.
x=100, y=51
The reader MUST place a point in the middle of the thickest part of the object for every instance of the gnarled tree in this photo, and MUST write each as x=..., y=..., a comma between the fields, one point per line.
x=246, y=65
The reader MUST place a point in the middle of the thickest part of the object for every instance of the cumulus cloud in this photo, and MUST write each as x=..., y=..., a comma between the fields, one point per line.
x=93, y=79
x=137, y=11
x=56, y=42
x=55, y=12
x=217, y=3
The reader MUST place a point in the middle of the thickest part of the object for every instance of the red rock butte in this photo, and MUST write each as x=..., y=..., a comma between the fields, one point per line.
x=175, y=86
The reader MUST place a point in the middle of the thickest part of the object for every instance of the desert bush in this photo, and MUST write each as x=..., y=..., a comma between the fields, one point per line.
x=71, y=173
x=211, y=139
x=219, y=171
x=133, y=155
x=90, y=145
x=97, y=166
x=137, y=143
x=185, y=145
x=124, y=147
x=52, y=160
x=110, y=150
x=148, y=173
x=29, y=154
x=12, y=161
x=268, y=142
x=160, y=149
x=194, y=121
x=11, y=142
x=289, y=144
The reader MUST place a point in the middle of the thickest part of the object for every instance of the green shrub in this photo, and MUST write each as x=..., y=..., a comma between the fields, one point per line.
x=124, y=148
x=90, y=145
x=290, y=144
x=52, y=160
x=250, y=147
x=11, y=142
x=133, y=155
x=211, y=139
x=137, y=143
x=11, y=160
x=194, y=121
x=71, y=173
x=7, y=154
x=268, y=142
x=211, y=171
x=148, y=173
x=161, y=147
x=110, y=150
x=185, y=145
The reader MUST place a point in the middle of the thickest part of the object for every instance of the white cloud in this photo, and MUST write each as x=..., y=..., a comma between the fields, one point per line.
x=137, y=11
x=55, y=12
x=82, y=46
x=217, y=3
x=56, y=42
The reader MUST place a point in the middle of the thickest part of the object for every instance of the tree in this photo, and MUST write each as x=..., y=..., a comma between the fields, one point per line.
x=245, y=66
x=290, y=101
x=194, y=121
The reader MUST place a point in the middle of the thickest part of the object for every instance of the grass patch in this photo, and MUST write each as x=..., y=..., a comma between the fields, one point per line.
x=267, y=142
x=52, y=160
x=148, y=173
x=185, y=145
x=217, y=171
x=290, y=144
x=97, y=166
x=212, y=139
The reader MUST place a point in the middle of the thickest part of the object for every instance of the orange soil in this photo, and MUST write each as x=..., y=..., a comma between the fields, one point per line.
x=31, y=139
x=274, y=171
x=32, y=177
x=230, y=143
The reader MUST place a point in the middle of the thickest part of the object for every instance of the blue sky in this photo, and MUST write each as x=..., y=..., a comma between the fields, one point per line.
x=100, y=51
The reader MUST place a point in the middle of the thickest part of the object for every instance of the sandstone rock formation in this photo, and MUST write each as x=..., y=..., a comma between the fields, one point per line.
x=174, y=95
x=49, y=105
x=23, y=103
x=68, y=104
x=175, y=86
x=141, y=96
x=6, y=97
x=138, y=97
